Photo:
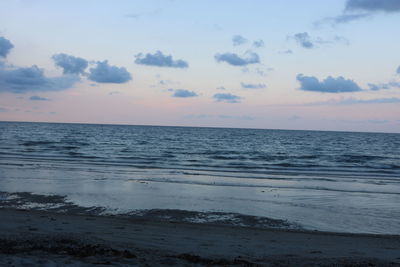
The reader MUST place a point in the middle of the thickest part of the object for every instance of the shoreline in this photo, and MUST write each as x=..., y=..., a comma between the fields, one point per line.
x=122, y=241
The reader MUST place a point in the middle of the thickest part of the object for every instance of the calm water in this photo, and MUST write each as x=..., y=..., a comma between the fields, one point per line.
x=334, y=181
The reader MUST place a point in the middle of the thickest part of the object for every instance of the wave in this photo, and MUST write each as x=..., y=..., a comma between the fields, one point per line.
x=75, y=159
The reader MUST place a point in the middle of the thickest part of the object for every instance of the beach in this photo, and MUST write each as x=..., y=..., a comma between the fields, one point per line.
x=53, y=239
x=84, y=195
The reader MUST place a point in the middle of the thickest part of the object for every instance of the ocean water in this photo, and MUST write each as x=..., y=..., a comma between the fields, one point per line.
x=329, y=181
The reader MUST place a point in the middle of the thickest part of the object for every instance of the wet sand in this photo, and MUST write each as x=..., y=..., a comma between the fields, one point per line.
x=42, y=238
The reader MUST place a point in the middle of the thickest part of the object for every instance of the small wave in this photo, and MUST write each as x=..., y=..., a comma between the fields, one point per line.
x=37, y=143
x=351, y=158
x=232, y=157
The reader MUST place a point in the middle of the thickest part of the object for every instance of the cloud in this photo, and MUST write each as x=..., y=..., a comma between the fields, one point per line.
x=183, y=93
x=286, y=52
x=389, y=6
x=350, y=101
x=345, y=18
x=294, y=118
x=164, y=82
x=259, y=71
x=148, y=13
x=253, y=86
x=198, y=116
x=114, y=93
x=368, y=7
x=38, y=98
x=224, y=117
x=353, y=101
x=238, y=40
x=329, y=85
x=335, y=39
x=378, y=121
x=26, y=79
x=235, y=60
x=398, y=70
x=303, y=39
x=226, y=97
x=242, y=118
x=70, y=64
x=220, y=88
x=258, y=44
x=3, y=109
x=104, y=73
x=5, y=46
x=389, y=85
x=160, y=60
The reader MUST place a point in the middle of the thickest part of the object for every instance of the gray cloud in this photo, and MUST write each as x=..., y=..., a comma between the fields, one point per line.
x=258, y=71
x=224, y=117
x=164, y=82
x=226, y=97
x=238, y=40
x=303, y=39
x=329, y=85
x=114, y=93
x=294, y=118
x=220, y=88
x=345, y=18
x=398, y=70
x=230, y=117
x=198, y=116
x=104, y=73
x=38, y=98
x=26, y=79
x=3, y=109
x=160, y=60
x=389, y=6
x=335, y=39
x=5, y=46
x=368, y=7
x=253, y=86
x=183, y=93
x=235, y=60
x=378, y=121
x=258, y=44
x=350, y=101
x=348, y=18
x=70, y=64
x=286, y=52
x=389, y=85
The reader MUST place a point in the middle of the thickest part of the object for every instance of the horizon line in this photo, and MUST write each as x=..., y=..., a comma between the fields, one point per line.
x=185, y=126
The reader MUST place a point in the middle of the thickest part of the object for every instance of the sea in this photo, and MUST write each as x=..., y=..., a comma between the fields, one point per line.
x=313, y=180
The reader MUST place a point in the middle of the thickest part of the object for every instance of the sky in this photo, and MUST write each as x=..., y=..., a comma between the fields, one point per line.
x=289, y=64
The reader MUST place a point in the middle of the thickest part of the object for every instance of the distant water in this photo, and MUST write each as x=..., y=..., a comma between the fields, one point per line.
x=332, y=181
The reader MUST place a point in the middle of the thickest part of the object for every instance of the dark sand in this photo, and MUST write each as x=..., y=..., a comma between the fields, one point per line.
x=36, y=238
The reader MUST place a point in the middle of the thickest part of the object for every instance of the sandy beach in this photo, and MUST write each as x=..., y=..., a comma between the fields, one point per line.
x=52, y=239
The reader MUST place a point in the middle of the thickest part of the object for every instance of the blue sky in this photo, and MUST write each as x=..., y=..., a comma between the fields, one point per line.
x=323, y=65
